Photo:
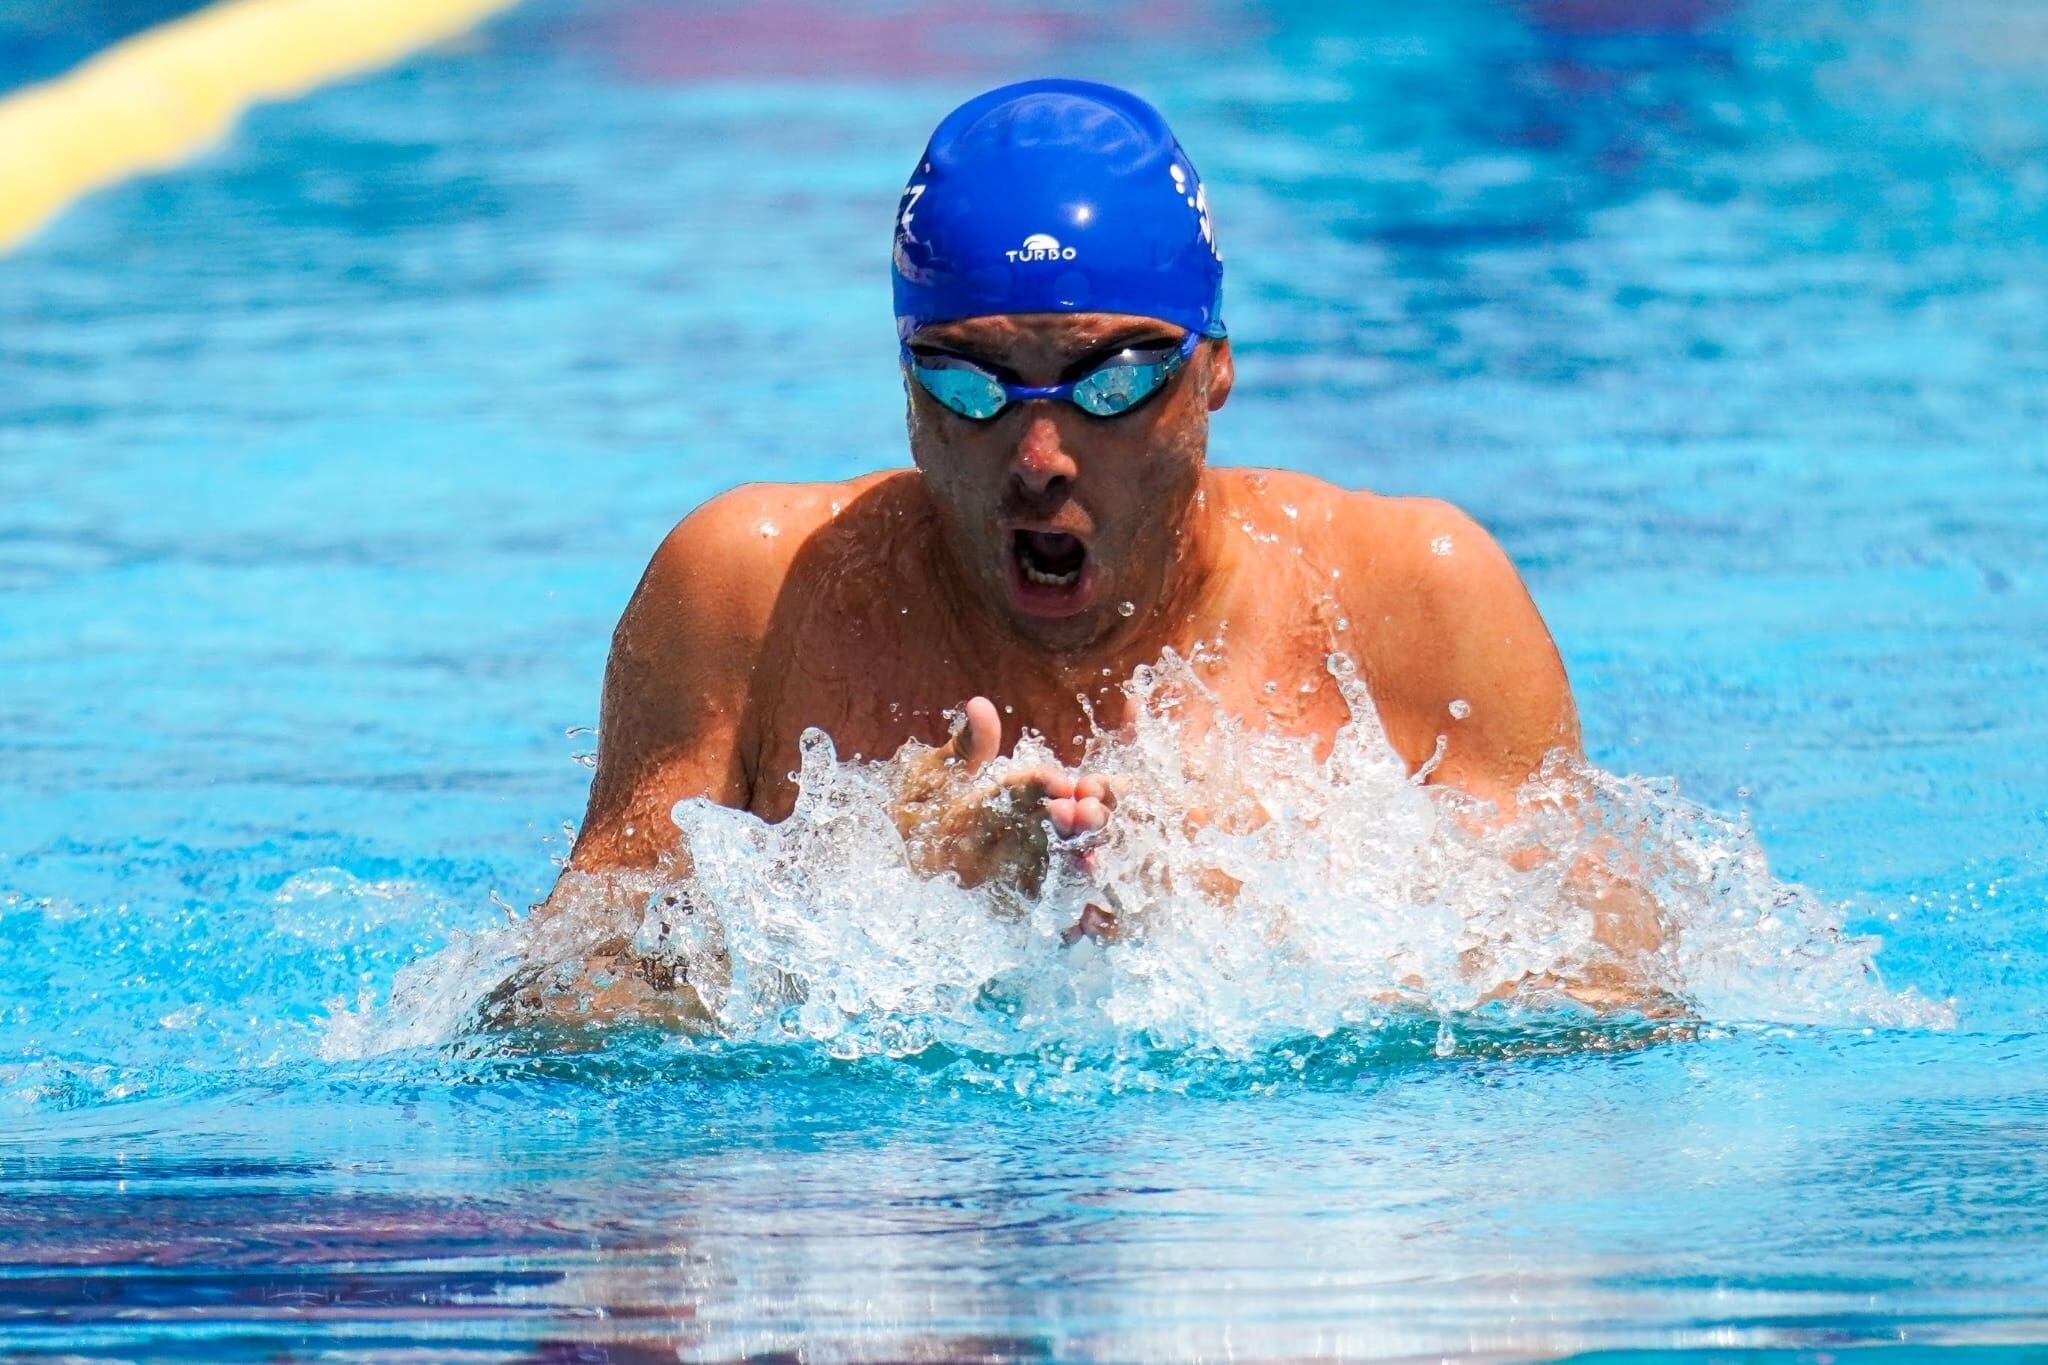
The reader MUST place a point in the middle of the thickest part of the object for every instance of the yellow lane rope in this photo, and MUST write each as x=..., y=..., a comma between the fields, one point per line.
x=153, y=100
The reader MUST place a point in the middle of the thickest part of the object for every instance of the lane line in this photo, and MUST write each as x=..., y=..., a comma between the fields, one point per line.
x=153, y=100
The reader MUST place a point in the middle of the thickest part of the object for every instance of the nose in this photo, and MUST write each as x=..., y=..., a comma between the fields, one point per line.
x=1040, y=465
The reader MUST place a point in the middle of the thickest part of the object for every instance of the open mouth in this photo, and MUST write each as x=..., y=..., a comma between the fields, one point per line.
x=1051, y=559
x=1049, y=572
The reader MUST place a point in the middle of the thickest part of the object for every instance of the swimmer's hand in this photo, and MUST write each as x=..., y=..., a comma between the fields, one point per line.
x=614, y=985
x=953, y=819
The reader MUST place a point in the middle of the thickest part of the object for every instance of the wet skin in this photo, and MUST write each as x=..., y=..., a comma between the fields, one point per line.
x=874, y=609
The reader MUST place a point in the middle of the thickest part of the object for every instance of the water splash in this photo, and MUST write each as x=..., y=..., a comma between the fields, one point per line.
x=1266, y=896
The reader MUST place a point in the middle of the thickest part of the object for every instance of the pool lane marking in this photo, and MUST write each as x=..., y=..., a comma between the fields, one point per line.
x=151, y=101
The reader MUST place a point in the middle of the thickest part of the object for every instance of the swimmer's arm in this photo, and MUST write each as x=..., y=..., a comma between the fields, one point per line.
x=673, y=721
x=671, y=727
x=1468, y=683
x=1485, y=702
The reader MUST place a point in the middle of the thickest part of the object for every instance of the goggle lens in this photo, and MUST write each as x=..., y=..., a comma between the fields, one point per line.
x=1117, y=387
x=969, y=392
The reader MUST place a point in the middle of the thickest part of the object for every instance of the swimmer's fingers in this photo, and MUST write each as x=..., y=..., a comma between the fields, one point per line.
x=1083, y=807
x=1060, y=811
x=1103, y=787
x=980, y=736
x=1099, y=788
x=1041, y=783
x=1033, y=793
x=1096, y=923
x=1076, y=815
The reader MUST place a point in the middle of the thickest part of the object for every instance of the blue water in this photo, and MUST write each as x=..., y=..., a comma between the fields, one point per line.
x=40, y=40
x=327, y=462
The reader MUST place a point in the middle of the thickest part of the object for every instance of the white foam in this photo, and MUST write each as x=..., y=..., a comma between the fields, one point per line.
x=1359, y=897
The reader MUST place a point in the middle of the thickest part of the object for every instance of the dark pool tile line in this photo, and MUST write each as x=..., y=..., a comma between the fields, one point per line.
x=128, y=1293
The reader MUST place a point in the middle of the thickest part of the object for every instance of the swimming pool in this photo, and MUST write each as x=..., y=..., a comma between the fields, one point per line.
x=327, y=461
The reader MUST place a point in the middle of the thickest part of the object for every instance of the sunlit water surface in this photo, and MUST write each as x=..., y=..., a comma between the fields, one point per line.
x=326, y=464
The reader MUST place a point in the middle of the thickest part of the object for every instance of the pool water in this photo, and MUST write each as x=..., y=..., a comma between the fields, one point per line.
x=327, y=462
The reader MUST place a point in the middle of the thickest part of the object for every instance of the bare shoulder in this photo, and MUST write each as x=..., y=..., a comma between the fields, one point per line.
x=1459, y=651
x=722, y=566
x=678, y=683
x=704, y=605
x=1278, y=496
x=1412, y=555
x=1442, y=559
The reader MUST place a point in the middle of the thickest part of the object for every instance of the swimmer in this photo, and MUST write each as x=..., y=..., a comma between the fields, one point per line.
x=1058, y=295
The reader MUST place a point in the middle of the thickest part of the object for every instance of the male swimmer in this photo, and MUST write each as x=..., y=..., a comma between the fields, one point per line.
x=1058, y=301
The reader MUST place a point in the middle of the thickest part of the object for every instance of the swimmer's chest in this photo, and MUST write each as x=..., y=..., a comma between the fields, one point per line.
x=874, y=685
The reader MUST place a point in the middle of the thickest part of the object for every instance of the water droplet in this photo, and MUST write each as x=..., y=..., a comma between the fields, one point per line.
x=1127, y=608
x=1446, y=1045
x=1460, y=708
x=1440, y=546
x=768, y=529
x=1272, y=686
x=1343, y=623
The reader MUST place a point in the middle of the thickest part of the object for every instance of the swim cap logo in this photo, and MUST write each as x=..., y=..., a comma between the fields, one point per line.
x=1199, y=202
x=1040, y=246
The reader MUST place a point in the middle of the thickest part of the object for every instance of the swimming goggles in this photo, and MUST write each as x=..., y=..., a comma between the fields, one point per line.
x=1109, y=390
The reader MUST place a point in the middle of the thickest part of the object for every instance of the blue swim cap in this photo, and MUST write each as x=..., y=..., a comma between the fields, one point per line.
x=1056, y=196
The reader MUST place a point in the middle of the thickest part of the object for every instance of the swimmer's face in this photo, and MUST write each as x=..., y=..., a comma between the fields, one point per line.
x=1056, y=515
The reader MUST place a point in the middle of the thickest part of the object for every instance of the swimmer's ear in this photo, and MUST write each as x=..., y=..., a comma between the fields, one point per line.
x=1222, y=372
